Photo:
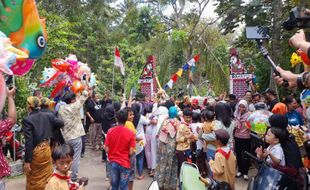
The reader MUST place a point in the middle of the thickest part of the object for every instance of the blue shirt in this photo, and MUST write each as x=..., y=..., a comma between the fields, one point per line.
x=294, y=118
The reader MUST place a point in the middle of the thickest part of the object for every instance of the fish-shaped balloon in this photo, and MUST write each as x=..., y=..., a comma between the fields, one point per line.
x=60, y=65
x=19, y=20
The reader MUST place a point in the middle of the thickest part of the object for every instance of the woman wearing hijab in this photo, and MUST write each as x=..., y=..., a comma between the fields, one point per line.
x=242, y=138
x=166, y=170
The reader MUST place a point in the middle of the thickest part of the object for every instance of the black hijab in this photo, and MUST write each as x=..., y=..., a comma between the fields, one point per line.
x=136, y=107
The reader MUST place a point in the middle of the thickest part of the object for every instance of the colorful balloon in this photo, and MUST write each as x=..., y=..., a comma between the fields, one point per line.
x=49, y=76
x=7, y=58
x=61, y=65
x=258, y=121
x=58, y=89
x=304, y=57
x=72, y=60
x=84, y=71
x=92, y=81
x=305, y=97
x=22, y=67
x=77, y=87
x=20, y=21
x=295, y=59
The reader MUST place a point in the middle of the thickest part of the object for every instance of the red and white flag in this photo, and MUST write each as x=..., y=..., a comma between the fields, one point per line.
x=118, y=61
x=193, y=61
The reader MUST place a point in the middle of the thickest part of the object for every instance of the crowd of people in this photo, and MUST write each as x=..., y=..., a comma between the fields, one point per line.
x=164, y=132
x=170, y=132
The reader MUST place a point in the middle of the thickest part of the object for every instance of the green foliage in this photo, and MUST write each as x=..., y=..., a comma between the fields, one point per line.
x=92, y=29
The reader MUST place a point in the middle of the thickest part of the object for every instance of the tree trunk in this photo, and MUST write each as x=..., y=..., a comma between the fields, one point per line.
x=276, y=49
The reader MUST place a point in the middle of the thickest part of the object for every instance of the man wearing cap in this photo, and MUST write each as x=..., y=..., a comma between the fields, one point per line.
x=271, y=98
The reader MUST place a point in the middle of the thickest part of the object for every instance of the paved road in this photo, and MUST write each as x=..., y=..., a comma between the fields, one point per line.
x=92, y=167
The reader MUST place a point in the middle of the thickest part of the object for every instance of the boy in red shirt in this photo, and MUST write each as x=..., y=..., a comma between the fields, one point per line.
x=120, y=144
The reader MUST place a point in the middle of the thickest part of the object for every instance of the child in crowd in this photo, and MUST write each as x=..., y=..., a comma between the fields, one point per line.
x=207, y=128
x=197, y=148
x=62, y=158
x=184, y=138
x=274, y=152
x=208, y=125
x=223, y=166
x=129, y=125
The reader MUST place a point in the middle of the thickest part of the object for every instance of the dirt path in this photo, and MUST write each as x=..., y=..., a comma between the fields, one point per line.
x=92, y=167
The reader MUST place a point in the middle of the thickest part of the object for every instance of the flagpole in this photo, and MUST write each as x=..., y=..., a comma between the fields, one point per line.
x=113, y=81
x=124, y=85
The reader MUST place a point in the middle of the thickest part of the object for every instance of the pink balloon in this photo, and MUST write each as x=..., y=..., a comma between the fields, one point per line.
x=20, y=68
x=72, y=60
x=72, y=74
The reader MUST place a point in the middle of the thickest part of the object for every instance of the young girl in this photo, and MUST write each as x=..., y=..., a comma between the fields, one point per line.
x=242, y=138
x=62, y=158
x=196, y=146
x=274, y=152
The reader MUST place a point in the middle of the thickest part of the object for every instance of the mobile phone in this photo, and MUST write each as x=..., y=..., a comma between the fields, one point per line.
x=257, y=33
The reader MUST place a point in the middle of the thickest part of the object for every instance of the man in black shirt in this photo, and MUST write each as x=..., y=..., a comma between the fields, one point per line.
x=94, y=114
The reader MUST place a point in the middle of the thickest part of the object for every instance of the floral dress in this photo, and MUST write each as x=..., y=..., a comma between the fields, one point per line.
x=5, y=125
x=167, y=167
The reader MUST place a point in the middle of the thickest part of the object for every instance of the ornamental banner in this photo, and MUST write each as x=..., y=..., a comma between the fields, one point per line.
x=147, y=81
x=238, y=75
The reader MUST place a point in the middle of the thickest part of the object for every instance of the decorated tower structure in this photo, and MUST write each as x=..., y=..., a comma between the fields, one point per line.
x=147, y=80
x=238, y=75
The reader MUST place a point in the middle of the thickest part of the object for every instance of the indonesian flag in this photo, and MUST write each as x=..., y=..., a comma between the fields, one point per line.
x=118, y=61
x=193, y=61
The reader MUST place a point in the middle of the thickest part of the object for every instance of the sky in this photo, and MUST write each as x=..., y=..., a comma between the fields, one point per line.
x=208, y=13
